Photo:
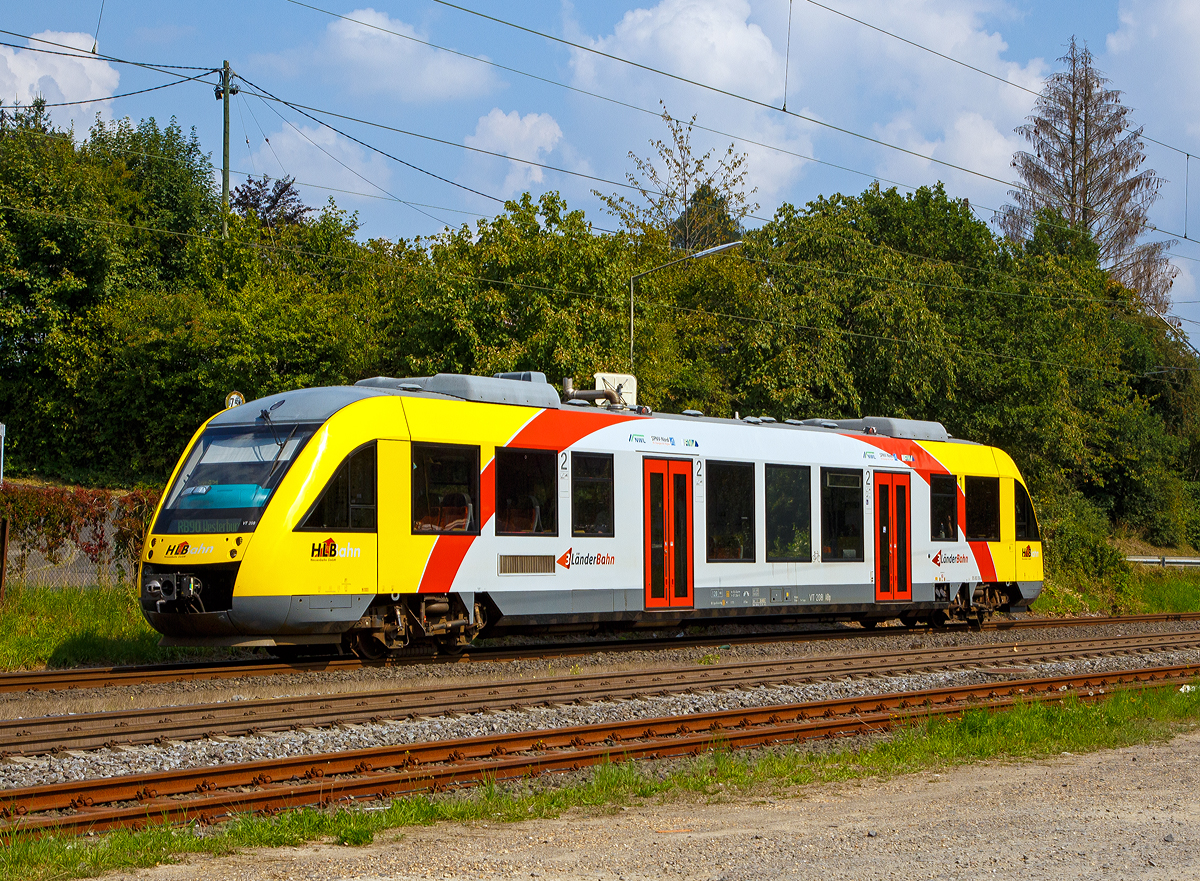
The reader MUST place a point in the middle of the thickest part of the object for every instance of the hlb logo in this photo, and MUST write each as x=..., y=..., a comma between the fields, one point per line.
x=329, y=550
x=184, y=549
x=568, y=559
x=1029, y=553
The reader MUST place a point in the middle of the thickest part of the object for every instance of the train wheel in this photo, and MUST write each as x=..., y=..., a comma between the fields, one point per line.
x=368, y=648
x=868, y=623
x=909, y=621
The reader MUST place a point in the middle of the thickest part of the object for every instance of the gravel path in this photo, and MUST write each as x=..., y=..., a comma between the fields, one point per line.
x=1128, y=813
x=33, y=771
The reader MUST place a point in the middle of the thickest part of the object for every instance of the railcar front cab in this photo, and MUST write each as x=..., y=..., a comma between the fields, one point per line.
x=249, y=471
x=984, y=500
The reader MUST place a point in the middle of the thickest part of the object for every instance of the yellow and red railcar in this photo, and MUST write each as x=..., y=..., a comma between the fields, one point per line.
x=435, y=509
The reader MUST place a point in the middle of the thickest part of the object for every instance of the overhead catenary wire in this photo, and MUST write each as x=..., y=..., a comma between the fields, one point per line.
x=266, y=140
x=165, y=68
x=301, y=108
x=96, y=37
x=1005, y=80
x=628, y=105
x=109, y=97
x=353, y=171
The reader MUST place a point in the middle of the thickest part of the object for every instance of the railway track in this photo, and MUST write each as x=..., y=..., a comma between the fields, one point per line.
x=206, y=795
x=156, y=725
x=103, y=677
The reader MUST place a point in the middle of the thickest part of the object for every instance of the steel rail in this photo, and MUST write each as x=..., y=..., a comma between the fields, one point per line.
x=104, y=677
x=208, y=794
x=32, y=736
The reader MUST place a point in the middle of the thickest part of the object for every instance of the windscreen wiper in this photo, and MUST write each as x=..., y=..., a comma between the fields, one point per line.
x=265, y=415
x=278, y=452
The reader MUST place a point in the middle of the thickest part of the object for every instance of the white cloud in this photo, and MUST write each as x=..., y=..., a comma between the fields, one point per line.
x=370, y=61
x=523, y=137
x=316, y=155
x=711, y=41
x=26, y=75
x=840, y=72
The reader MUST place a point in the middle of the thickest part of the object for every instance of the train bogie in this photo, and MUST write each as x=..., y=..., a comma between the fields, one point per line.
x=404, y=512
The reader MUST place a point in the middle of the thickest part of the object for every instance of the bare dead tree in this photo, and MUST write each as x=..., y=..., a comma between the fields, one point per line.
x=1086, y=166
x=274, y=204
x=697, y=207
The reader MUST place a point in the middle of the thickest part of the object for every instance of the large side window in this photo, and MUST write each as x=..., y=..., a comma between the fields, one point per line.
x=730, y=512
x=943, y=507
x=445, y=489
x=983, y=508
x=841, y=515
x=526, y=492
x=789, y=513
x=592, y=494
x=347, y=503
x=1027, y=527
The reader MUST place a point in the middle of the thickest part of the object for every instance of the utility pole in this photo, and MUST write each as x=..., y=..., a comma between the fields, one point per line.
x=223, y=91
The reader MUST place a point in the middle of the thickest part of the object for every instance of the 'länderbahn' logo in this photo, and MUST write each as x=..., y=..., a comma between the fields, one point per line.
x=570, y=559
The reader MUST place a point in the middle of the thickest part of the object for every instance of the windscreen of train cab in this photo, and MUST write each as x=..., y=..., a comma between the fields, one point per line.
x=229, y=476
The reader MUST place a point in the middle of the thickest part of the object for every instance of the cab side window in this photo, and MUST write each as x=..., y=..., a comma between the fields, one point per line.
x=592, y=494
x=983, y=508
x=445, y=489
x=841, y=515
x=1027, y=527
x=943, y=507
x=730, y=512
x=348, y=502
x=526, y=492
x=789, y=513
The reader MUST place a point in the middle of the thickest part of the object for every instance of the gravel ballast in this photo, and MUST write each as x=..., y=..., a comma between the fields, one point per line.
x=33, y=771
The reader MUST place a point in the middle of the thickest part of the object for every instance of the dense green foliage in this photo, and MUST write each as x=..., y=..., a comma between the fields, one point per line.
x=124, y=320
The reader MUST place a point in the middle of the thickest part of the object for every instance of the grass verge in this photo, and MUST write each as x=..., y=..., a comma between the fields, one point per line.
x=62, y=627
x=1147, y=590
x=1029, y=730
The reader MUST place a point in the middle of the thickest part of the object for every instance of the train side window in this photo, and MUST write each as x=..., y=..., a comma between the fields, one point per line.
x=592, y=494
x=789, y=513
x=1027, y=526
x=730, y=512
x=445, y=489
x=983, y=508
x=943, y=507
x=526, y=492
x=842, y=515
x=347, y=503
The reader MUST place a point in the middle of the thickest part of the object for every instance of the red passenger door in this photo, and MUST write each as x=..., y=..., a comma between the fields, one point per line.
x=893, y=538
x=668, y=507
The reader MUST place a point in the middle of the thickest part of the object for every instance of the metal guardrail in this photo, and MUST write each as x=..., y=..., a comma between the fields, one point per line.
x=1163, y=561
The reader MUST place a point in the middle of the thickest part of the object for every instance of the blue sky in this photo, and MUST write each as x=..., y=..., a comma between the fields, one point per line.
x=839, y=72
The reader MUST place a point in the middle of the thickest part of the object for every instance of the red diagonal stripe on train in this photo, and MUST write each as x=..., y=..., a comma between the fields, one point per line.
x=924, y=464
x=549, y=430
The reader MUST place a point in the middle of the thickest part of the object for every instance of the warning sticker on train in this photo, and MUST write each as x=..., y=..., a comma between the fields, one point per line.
x=570, y=559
